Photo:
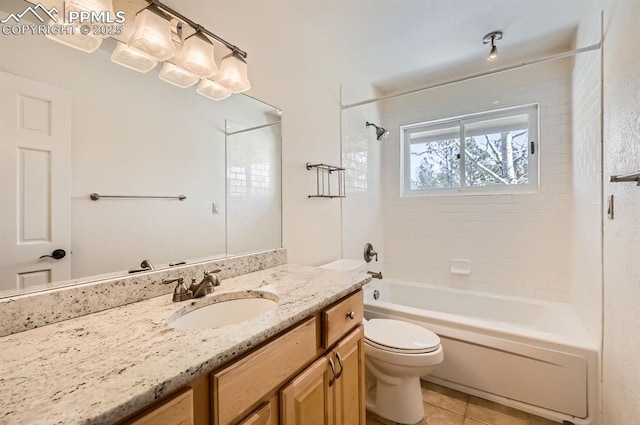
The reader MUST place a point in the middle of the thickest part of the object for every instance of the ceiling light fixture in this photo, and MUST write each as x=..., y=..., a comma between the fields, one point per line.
x=492, y=38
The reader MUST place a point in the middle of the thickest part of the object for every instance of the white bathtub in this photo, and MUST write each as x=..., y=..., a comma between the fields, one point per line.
x=529, y=354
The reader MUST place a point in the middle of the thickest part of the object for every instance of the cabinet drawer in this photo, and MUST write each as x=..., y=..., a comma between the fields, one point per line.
x=176, y=411
x=338, y=320
x=243, y=384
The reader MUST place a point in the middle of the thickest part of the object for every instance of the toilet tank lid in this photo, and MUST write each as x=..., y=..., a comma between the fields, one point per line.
x=397, y=334
x=345, y=265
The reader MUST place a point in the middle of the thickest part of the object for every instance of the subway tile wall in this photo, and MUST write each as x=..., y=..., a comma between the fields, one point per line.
x=517, y=244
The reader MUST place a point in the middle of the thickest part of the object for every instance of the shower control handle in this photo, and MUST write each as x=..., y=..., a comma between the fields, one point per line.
x=351, y=315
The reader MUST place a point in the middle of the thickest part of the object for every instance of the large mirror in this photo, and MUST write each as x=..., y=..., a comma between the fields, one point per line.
x=198, y=179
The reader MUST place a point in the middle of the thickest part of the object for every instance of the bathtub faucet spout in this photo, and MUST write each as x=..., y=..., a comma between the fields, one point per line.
x=375, y=275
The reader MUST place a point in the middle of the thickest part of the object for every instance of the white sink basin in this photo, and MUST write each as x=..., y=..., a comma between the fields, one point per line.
x=223, y=313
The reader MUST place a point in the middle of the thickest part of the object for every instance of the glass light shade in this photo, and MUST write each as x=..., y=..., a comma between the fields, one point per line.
x=233, y=73
x=152, y=35
x=132, y=58
x=85, y=43
x=197, y=56
x=213, y=90
x=98, y=6
x=89, y=5
x=177, y=76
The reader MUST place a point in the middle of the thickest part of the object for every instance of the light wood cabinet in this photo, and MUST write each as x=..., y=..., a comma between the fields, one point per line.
x=289, y=380
x=329, y=392
x=262, y=416
x=349, y=388
x=308, y=398
x=178, y=410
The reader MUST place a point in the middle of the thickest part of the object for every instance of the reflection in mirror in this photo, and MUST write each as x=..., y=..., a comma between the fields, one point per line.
x=86, y=125
x=253, y=186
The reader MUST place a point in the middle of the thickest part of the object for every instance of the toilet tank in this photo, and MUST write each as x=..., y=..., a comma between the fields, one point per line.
x=347, y=265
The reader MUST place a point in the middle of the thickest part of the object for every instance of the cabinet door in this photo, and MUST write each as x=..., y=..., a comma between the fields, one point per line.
x=262, y=416
x=349, y=387
x=308, y=399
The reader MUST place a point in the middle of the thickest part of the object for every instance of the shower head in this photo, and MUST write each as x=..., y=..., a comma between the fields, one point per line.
x=381, y=133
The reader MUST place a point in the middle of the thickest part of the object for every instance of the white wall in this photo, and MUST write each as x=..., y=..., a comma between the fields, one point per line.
x=362, y=219
x=621, y=354
x=518, y=244
x=586, y=214
x=295, y=69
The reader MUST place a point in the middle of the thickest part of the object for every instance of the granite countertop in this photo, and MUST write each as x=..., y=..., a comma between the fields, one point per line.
x=102, y=367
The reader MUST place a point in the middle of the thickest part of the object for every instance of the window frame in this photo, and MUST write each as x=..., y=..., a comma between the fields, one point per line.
x=531, y=109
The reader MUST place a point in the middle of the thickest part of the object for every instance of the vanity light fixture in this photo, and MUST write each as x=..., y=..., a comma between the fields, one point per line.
x=132, y=58
x=198, y=56
x=179, y=77
x=88, y=43
x=152, y=33
x=157, y=37
x=492, y=38
x=233, y=73
x=213, y=90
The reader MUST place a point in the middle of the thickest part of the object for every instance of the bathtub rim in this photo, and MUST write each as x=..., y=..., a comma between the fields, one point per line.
x=581, y=340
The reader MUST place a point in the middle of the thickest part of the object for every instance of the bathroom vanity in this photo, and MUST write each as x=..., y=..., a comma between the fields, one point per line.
x=301, y=362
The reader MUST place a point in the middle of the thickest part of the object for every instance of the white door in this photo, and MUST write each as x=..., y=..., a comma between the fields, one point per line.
x=35, y=182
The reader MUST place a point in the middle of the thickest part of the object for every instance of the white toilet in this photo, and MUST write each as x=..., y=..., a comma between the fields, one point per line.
x=397, y=354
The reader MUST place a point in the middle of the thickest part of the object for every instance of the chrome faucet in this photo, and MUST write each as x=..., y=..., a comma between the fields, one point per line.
x=206, y=285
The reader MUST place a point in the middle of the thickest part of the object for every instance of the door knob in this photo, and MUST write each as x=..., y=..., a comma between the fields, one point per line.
x=57, y=254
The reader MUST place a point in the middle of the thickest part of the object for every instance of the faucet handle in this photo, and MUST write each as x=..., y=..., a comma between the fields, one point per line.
x=180, y=292
x=214, y=276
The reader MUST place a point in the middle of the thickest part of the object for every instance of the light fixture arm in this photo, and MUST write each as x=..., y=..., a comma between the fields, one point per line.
x=198, y=27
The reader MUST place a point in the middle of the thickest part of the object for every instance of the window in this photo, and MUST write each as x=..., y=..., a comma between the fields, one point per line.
x=492, y=152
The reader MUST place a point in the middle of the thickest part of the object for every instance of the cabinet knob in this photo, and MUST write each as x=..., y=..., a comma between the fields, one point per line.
x=351, y=315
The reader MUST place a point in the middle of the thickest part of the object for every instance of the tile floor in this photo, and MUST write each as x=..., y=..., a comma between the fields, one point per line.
x=444, y=406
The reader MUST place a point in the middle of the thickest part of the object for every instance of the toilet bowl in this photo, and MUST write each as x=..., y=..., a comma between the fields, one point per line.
x=397, y=354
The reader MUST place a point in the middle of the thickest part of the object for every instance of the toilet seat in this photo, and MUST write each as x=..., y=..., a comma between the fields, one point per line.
x=400, y=337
